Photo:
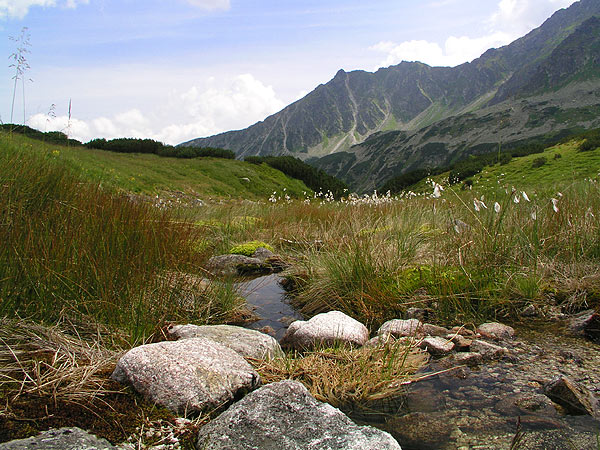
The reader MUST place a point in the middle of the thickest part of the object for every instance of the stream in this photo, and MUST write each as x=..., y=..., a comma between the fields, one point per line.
x=477, y=407
x=269, y=302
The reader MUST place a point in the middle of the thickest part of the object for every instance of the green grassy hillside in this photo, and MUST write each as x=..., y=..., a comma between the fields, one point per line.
x=557, y=164
x=151, y=174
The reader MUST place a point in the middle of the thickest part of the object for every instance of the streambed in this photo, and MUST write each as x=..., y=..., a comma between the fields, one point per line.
x=468, y=408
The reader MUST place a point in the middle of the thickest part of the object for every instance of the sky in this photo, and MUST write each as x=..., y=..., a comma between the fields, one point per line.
x=174, y=70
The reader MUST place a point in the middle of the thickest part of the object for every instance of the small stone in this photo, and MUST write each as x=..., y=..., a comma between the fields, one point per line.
x=437, y=346
x=573, y=397
x=586, y=323
x=469, y=358
x=530, y=311
x=495, y=330
x=461, y=343
x=462, y=331
x=399, y=327
x=325, y=329
x=487, y=350
x=416, y=313
x=262, y=254
x=434, y=330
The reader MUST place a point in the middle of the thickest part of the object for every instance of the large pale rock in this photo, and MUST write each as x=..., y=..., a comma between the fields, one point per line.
x=61, y=439
x=187, y=376
x=495, y=330
x=326, y=329
x=284, y=416
x=248, y=343
x=231, y=265
x=576, y=399
x=399, y=327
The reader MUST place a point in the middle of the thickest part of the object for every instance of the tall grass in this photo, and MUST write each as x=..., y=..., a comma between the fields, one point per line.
x=72, y=249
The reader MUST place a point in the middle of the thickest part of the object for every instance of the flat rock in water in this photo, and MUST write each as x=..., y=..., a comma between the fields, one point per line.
x=284, y=416
x=437, y=346
x=326, y=329
x=246, y=342
x=231, y=265
x=61, y=439
x=573, y=397
x=187, y=376
x=495, y=330
x=399, y=327
x=487, y=350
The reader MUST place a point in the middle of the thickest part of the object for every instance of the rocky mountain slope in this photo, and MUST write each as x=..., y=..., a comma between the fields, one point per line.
x=369, y=126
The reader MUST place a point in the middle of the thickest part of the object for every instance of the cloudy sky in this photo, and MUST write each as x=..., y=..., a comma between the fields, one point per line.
x=173, y=70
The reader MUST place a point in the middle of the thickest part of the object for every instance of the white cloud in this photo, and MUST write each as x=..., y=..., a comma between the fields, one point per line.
x=210, y=4
x=518, y=17
x=213, y=107
x=457, y=50
x=18, y=9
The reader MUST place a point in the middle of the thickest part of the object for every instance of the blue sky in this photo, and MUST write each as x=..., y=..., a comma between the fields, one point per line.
x=178, y=69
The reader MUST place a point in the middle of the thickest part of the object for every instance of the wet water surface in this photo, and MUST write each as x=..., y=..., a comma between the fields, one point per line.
x=270, y=303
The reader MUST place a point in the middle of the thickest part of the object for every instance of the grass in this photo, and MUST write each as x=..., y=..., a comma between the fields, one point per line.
x=354, y=380
x=150, y=174
x=88, y=271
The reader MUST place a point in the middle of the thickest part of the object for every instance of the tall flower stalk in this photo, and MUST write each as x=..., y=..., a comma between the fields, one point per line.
x=20, y=65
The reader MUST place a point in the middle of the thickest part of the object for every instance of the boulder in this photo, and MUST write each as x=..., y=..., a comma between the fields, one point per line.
x=436, y=346
x=263, y=254
x=61, y=439
x=187, y=376
x=574, y=398
x=232, y=265
x=326, y=329
x=246, y=342
x=284, y=416
x=399, y=327
x=495, y=330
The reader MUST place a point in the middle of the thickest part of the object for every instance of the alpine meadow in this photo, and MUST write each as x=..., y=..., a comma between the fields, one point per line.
x=405, y=257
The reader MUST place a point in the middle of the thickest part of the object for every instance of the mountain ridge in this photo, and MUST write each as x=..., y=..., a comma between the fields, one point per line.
x=411, y=97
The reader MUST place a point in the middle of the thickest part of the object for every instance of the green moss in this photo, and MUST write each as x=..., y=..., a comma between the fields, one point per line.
x=248, y=248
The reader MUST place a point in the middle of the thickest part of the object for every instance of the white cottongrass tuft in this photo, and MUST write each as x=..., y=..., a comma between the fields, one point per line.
x=497, y=207
x=554, y=204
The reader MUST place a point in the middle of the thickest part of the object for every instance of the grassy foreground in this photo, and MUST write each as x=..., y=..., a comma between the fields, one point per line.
x=86, y=272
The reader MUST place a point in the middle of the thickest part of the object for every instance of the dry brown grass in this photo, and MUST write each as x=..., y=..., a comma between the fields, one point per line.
x=49, y=362
x=350, y=379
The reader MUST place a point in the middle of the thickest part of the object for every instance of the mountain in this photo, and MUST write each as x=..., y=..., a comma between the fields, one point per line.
x=366, y=127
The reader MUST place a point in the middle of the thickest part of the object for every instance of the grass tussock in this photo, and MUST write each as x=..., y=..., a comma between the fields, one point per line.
x=351, y=379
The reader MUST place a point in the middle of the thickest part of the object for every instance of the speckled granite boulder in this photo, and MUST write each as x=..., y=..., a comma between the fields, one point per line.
x=284, y=416
x=187, y=376
x=61, y=439
x=326, y=329
x=246, y=342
